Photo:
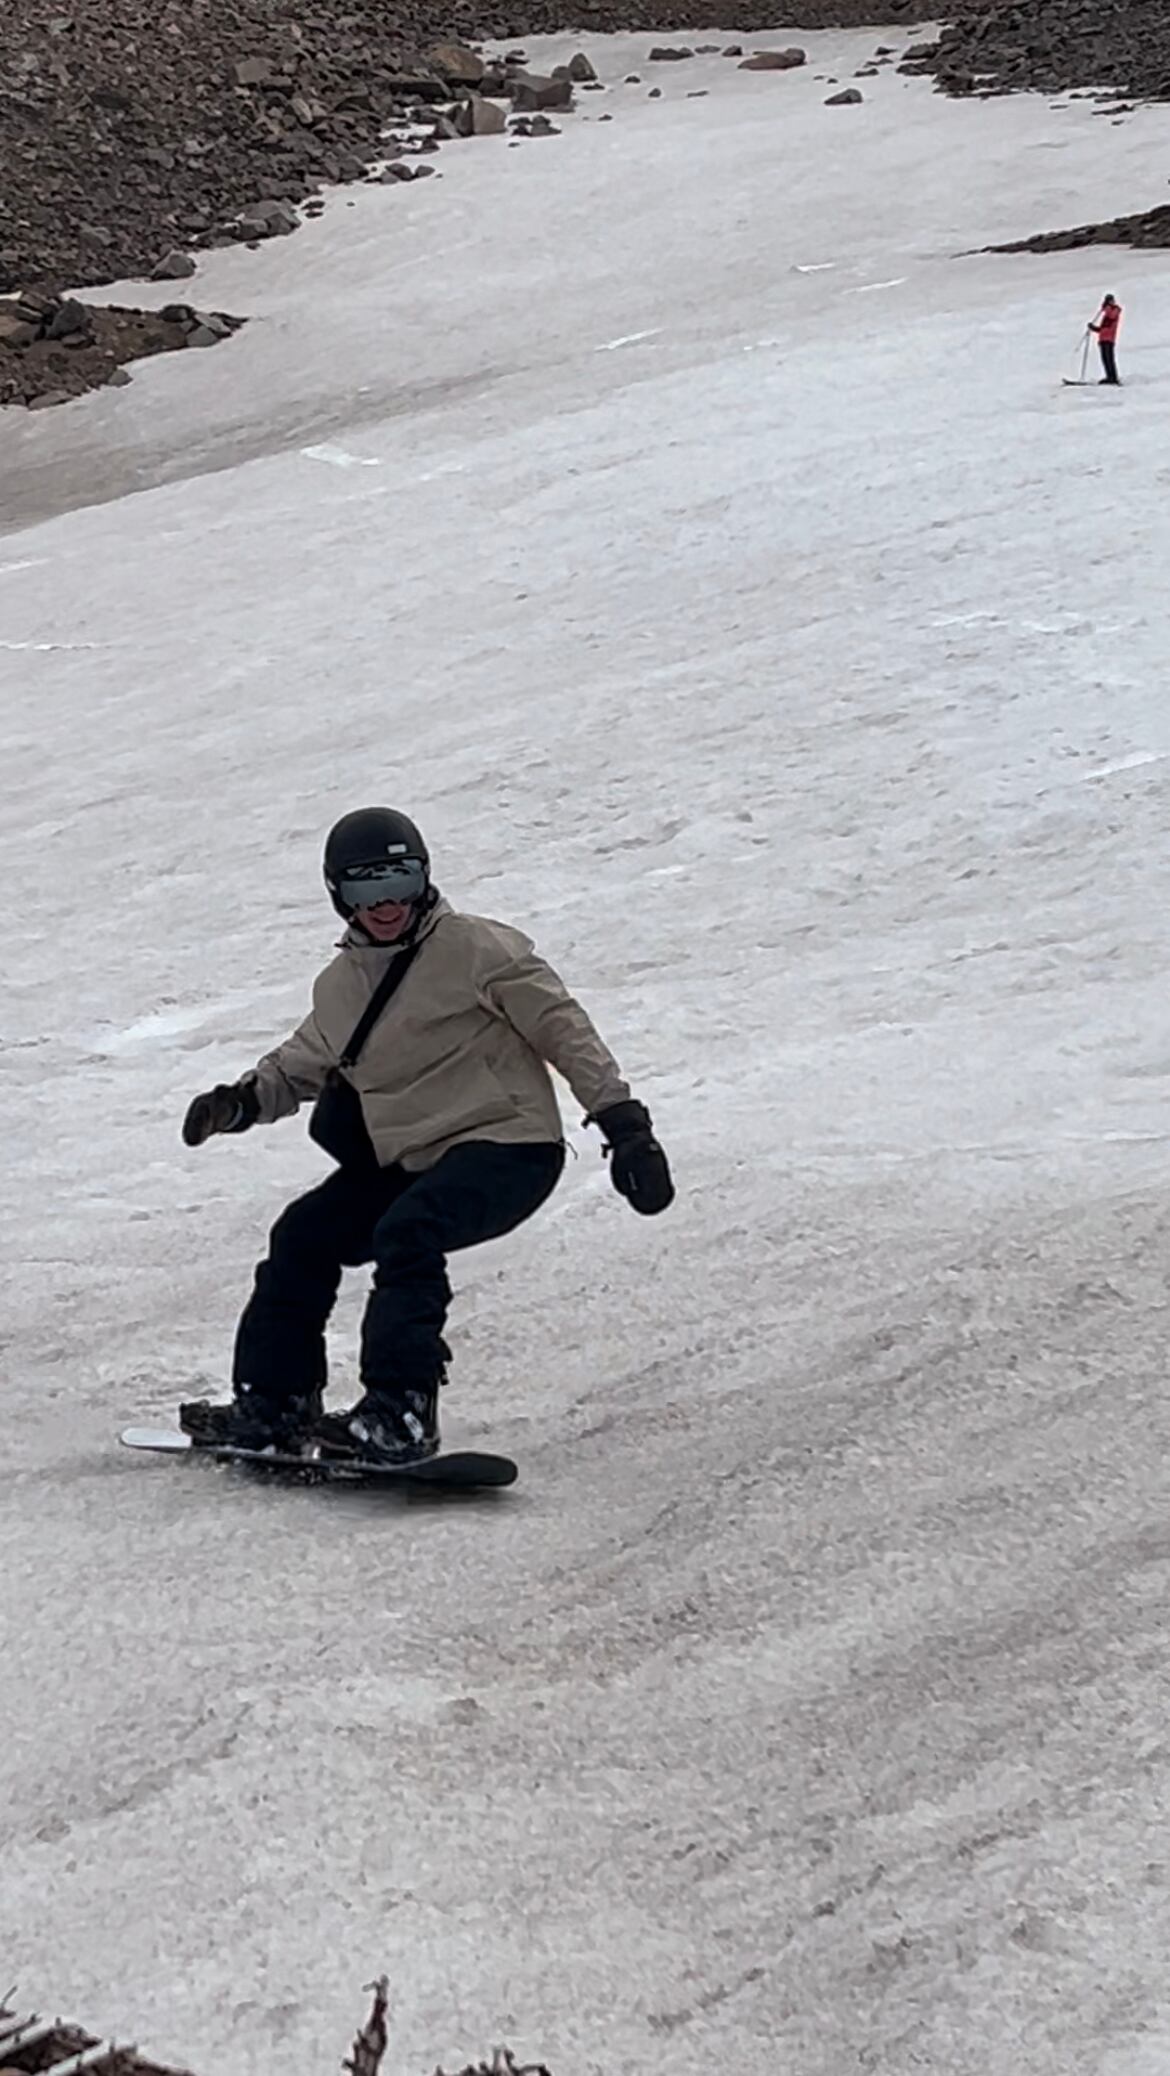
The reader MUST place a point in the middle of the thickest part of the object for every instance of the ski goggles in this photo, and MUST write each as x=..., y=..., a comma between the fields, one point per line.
x=388, y=879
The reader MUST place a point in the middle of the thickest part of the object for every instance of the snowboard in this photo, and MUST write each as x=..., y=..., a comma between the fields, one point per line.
x=462, y=1470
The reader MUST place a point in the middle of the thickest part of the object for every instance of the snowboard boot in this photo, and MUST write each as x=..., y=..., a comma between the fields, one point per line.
x=391, y=1424
x=252, y=1420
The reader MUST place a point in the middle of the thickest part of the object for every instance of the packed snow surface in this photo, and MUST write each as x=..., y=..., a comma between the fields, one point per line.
x=707, y=553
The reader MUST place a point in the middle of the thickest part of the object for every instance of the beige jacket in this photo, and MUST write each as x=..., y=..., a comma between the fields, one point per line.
x=458, y=1052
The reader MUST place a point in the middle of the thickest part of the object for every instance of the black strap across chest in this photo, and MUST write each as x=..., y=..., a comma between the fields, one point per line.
x=390, y=982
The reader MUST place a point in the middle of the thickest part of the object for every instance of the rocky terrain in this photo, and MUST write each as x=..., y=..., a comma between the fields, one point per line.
x=1149, y=229
x=1054, y=45
x=131, y=126
x=53, y=348
x=133, y=132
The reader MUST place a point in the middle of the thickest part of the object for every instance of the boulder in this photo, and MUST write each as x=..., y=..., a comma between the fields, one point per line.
x=478, y=117
x=455, y=62
x=418, y=86
x=257, y=72
x=173, y=266
x=734, y=50
x=268, y=219
x=15, y=332
x=668, y=54
x=531, y=91
x=774, y=60
x=581, y=68
x=848, y=99
x=70, y=320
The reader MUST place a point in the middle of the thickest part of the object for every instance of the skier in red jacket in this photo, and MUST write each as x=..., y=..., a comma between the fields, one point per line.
x=1106, y=324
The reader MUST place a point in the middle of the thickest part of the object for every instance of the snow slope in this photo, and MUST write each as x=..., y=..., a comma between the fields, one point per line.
x=786, y=648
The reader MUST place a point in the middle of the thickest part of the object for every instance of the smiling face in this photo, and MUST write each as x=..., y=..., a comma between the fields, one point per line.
x=385, y=923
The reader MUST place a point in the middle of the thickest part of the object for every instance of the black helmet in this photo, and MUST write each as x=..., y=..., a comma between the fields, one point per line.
x=370, y=836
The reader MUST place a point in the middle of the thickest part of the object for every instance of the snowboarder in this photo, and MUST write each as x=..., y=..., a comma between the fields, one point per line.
x=1106, y=325
x=424, y=1054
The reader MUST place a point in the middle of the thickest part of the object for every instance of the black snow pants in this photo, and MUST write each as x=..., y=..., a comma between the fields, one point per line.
x=406, y=1224
x=1108, y=352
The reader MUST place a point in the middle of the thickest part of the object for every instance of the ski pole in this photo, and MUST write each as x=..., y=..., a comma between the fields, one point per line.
x=1085, y=355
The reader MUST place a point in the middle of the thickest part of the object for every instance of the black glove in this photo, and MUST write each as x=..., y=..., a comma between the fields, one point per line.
x=230, y=1107
x=638, y=1168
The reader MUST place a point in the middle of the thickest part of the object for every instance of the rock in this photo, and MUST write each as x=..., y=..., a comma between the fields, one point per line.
x=774, y=60
x=655, y=94
x=534, y=126
x=120, y=379
x=734, y=50
x=48, y=398
x=397, y=171
x=69, y=320
x=531, y=91
x=698, y=94
x=848, y=99
x=666, y=54
x=633, y=79
x=256, y=72
x=478, y=117
x=268, y=219
x=307, y=112
x=173, y=266
x=884, y=50
x=15, y=332
x=202, y=335
x=581, y=69
x=454, y=61
x=419, y=86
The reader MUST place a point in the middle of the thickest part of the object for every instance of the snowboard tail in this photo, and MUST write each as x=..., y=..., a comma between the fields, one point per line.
x=459, y=1470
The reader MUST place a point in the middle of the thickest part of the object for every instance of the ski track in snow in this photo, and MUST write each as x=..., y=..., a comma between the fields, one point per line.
x=799, y=683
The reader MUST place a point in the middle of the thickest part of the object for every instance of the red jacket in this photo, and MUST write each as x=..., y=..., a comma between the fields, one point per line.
x=1107, y=323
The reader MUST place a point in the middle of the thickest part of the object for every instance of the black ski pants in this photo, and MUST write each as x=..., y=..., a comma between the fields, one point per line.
x=406, y=1225
x=1108, y=353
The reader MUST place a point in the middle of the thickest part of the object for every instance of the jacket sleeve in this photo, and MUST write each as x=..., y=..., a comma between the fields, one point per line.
x=292, y=1073
x=517, y=984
